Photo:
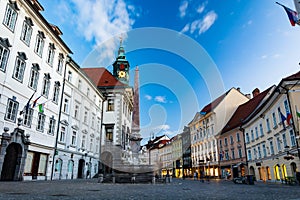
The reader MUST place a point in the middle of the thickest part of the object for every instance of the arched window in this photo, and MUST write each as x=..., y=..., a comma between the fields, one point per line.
x=276, y=172
x=283, y=170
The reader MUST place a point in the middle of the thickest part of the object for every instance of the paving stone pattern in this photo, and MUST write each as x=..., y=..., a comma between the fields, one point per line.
x=177, y=189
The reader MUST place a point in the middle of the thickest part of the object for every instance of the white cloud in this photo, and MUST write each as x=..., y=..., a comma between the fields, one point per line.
x=201, y=25
x=99, y=21
x=185, y=29
x=201, y=7
x=160, y=99
x=163, y=127
x=182, y=8
x=148, y=97
x=208, y=20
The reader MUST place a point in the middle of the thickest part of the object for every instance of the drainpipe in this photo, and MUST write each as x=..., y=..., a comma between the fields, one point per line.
x=245, y=149
x=59, y=115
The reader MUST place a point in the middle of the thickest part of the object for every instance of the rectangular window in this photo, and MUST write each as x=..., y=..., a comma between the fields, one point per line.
x=240, y=152
x=232, y=155
x=220, y=143
x=26, y=31
x=274, y=120
x=10, y=17
x=60, y=63
x=66, y=106
x=238, y=137
x=226, y=155
x=56, y=92
x=46, y=85
x=34, y=77
x=247, y=138
x=74, y=136
x=11, y=110
x=256, y=132
x=39, y=44
x=76, y=111
x=249, y=155
x=27, y=119
x=4, y=52
x=79, y=85
x=292, y=137
x=252, y=135
x=268, y=125
x=278, y=144
x=225, y=142
x=271, y=148
x=51, y=126
x=109, y=133
x=69, y=76
x=259, y=152
x=286, y=106
x=83, y=142
x=231, y=139
x=264, y=150
x=62, y=134
x=110, y=105
x=41, y=122
x=91, y=145
x=19, y=69
x=284, y=140
x=50, y=54
x=85, y=117
x=261, y=130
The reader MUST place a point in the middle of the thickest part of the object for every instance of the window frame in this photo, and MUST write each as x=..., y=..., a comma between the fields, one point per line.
x=41, y=122
x=20, y=66
x=11, y=110
x=10, y=22
x=26, y=31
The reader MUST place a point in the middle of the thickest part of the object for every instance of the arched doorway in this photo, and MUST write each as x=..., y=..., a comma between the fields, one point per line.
x=58, y=167
x=277, y=172
x=70, y=169
x=12, y=161
x=80, y=168
x=283, y=170
x=106, y=161
x=293, y=168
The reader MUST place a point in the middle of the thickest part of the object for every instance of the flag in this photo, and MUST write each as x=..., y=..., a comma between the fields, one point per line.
x=288, y=118
x=35, y=101
x=27, y=104
x=41, y=108
x=292, y=15
x=283, y=118
x=298, y=114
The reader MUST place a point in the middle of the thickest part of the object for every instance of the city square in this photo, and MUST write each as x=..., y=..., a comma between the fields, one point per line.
x=177, y=189
x=130, y=99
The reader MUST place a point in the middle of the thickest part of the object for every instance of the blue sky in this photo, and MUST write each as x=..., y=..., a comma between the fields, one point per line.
x=238, y=43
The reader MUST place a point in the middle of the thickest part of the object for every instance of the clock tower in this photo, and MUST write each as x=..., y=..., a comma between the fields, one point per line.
x=121, y=66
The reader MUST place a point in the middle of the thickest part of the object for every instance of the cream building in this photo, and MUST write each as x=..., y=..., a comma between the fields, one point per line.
x=177, y=156
x=206, y=125
x=32, y=60
x=270, y=136
x=78, y=141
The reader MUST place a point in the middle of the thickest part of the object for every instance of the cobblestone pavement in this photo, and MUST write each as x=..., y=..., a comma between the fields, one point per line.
x=177, y=189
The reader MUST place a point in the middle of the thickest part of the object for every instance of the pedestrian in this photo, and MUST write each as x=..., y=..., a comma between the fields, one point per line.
x=298, y=177
x=195, y=175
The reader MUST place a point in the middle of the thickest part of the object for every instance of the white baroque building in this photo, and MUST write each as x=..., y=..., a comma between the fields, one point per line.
x=32, y=60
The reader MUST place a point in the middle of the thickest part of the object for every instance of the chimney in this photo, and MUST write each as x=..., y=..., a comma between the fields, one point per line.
x=255, y=92
x=238, y=89
x=248, y=96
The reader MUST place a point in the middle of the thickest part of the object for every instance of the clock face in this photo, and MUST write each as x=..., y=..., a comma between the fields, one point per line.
x=122, y=74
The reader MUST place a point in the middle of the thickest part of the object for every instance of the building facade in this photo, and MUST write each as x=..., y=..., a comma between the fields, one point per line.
x=205, y=128
x=231, y=143
x=177, y=156
x=32, y=63
x=271, y=135
x=78, y=137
